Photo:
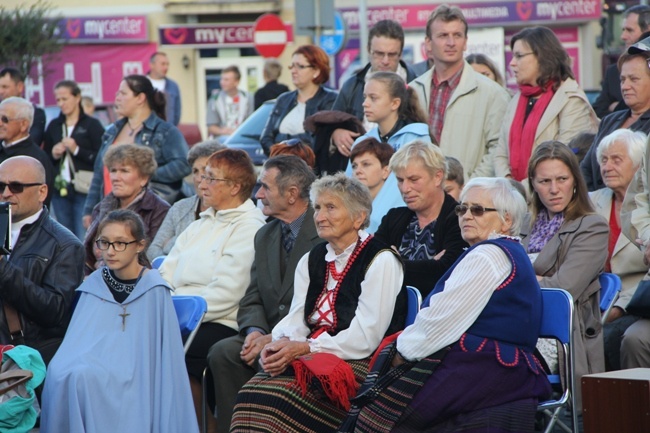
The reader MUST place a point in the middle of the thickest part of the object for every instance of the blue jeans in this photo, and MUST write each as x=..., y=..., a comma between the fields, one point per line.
x=68, y=211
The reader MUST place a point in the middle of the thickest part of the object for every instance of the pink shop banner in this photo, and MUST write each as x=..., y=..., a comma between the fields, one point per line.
x=97, y=68
x=104, y=30
x=485, y=13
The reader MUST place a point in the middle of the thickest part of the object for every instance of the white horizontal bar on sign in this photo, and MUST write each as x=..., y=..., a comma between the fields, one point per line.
x=270, y=37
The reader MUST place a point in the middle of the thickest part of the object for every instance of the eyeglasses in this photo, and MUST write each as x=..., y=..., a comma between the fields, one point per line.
x=380, y=55
x=476, y=210
x=16, y=187
x=299, y=66
x=118, y=246
x=210, y=180
x=519, y=56
x=5, y=119
x=292, y=142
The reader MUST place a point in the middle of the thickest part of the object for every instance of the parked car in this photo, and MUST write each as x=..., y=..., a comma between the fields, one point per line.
x=247, y=136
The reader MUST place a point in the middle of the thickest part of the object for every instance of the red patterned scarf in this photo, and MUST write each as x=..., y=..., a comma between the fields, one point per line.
x=522, y=129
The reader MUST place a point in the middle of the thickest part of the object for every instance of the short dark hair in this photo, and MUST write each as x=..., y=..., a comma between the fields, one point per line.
x=626, y=57
x=383, y=151
x=554, y=61
x=388, y=29
x=446, y=14
x=292, y=171
x=234, y=69
x=317, y=58
x=643, y=12
x=15, y=75
x=73, y=87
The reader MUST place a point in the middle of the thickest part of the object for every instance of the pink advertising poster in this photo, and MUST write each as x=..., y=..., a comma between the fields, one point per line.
x=97, y=68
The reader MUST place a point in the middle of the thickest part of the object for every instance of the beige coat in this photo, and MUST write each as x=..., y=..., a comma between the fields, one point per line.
x=572, y=260
x=627, y=259
x=567, y=115
x=472, y=119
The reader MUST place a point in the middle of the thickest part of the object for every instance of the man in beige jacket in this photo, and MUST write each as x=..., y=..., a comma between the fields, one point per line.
x=465, y=108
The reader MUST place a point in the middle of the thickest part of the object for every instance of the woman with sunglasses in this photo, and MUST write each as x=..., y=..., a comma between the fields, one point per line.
x=550, y=105
x=467, y=360
x=310, y=70
x=425, y=232
x=213, y=256
x=122, y=340
x=567, y=243
x=72, y=140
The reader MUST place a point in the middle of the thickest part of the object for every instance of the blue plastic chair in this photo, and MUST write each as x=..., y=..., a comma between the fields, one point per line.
x=610, y=287
x=413, y=302
x=557, y=323
x=190, y=311
x=155, y=263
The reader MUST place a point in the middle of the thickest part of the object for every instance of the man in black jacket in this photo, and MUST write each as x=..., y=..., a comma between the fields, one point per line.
x=16, y=117
x=12, y=83
x=272, y=89
x=385, y=45
x=38, y=279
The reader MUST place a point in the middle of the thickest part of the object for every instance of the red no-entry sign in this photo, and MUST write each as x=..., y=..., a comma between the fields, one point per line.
x=269, y=35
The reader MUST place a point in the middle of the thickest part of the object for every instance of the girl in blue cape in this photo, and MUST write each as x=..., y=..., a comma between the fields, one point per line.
x=121, y=365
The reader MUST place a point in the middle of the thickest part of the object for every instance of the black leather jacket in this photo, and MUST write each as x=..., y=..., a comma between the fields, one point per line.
x=322, y=100
x=39, y=280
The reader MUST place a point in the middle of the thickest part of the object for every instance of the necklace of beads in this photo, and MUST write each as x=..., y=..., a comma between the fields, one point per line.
x=116, y=285
x=338, y=277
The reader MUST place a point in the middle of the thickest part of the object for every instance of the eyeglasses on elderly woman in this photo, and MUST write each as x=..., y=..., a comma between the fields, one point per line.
x=476, y=210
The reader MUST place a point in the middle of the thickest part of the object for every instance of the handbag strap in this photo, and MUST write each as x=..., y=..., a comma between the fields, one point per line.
x=13, y=321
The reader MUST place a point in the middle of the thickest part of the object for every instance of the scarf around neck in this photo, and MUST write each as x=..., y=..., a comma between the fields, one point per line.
x=523, y=129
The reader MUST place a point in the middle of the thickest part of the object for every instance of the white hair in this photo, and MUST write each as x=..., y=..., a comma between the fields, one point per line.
x=23, y=109
x=505, y=198
x=634, y=141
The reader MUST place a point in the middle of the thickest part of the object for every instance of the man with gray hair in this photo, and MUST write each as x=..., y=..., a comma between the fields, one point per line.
x=16, y=117
x=38, y=279
x=272, y=89
x=279, y=245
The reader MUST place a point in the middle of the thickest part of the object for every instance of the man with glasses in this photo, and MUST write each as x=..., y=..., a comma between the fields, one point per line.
x=465, y=108
x=12, y=83
x=39, y=277
x=385, y=45
x=16, y=117
x=279, y=245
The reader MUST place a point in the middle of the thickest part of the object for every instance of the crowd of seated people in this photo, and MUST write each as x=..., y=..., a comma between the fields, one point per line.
x=305, y=277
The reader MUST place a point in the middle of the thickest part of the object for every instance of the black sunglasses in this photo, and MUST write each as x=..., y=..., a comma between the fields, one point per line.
x=16, y=187
x=476, y=210
x=5, y=119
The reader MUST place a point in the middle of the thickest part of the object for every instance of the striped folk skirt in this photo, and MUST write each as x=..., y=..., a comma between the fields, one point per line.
x=276, y=405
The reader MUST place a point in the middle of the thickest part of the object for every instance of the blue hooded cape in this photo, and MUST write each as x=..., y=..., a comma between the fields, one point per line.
x=107, y=377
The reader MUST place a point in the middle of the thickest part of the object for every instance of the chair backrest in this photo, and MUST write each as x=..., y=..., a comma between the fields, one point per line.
x=557, y=323
x=155, y=263
x=190, y=311
x=414, y=300
x=610, y=287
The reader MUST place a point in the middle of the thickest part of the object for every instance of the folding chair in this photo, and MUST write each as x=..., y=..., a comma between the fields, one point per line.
x=413, y=302
x=557, y=323
x=610, y=287
x=190, y=311
x=155, y=263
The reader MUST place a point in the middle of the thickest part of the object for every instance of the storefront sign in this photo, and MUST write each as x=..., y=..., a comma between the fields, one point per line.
x=104, y=30
x=97, y=70
x=212, y=35
x=496, y=13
